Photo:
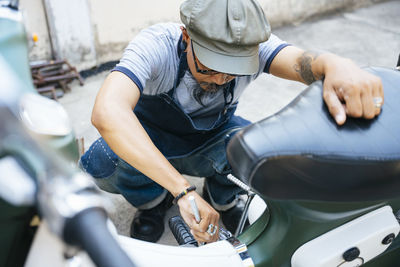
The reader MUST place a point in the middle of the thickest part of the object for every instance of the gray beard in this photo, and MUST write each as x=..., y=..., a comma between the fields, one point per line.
x=199, y=93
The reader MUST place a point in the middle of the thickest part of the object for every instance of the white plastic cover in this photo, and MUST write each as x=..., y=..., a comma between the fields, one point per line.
x=365, y=232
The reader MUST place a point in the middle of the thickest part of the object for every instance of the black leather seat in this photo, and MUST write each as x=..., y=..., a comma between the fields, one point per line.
x=301, y=154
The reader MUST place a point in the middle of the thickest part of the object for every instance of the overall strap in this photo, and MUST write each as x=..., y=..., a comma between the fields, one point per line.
x=182, y=67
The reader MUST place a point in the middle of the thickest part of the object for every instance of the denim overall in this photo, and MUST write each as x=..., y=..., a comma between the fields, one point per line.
x=192, y=149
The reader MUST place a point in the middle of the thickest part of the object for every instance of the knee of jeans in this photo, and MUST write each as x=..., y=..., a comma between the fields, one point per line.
x=99, y=161
x=223, y=168
x=129, y=176
x=219, y=160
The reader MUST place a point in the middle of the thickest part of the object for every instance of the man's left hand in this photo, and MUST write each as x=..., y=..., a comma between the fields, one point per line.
x=349, y=90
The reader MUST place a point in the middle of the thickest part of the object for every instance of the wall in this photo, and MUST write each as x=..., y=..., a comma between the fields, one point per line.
x=35, y=22
x=116, y=23
x=91, y=32
x=281, y=12
x=71, y=31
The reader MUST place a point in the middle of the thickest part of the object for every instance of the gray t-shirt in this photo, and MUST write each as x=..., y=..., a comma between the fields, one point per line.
x=151, y=61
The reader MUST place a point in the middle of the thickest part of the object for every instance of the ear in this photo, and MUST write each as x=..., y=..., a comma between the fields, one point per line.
x=185, y=37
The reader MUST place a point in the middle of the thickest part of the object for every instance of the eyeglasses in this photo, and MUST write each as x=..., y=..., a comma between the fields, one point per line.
x=210, y=72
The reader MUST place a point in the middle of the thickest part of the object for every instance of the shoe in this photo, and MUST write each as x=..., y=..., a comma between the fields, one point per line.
x=231, y=217
x=148, y=225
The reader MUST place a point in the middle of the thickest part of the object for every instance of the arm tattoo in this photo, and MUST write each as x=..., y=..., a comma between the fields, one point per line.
x=303, y=66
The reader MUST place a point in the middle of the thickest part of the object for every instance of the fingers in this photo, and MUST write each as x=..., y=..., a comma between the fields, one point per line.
x=334, y=105
x=209, y=219
x=208, y=228
x=378, y=95
x=372, y=98
x=353, y=102
x=369, y=94
x=357, y=99
x=210, y=235
x=368, y=106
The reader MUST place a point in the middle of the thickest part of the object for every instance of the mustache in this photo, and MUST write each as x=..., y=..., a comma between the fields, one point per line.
x=212, y=87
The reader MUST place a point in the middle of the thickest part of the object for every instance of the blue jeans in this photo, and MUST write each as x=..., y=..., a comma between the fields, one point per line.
x=115, y=175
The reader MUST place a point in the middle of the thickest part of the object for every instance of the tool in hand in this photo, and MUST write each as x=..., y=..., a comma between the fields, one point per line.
x=194, y=209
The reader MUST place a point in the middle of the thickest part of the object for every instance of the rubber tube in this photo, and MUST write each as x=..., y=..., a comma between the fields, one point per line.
x=88, y=230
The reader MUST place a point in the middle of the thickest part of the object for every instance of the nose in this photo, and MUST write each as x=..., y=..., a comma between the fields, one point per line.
x=222, y=78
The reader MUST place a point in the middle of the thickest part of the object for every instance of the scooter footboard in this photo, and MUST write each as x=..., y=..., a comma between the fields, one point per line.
x=220, y=253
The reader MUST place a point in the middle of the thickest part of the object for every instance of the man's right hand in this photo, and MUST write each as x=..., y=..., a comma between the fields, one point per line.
x=208, y=216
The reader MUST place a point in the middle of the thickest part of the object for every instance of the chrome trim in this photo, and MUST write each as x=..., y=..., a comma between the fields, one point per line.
x=61, y=198
x=16, y=186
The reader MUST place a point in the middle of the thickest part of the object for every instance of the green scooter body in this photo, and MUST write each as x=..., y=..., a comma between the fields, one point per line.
x=16, y=233
x=316, y=176
x=14, y=48
x=293, y=223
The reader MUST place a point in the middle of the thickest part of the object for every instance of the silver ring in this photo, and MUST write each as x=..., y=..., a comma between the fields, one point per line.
x=378, y=102
x=215, y=230
x=212, y=229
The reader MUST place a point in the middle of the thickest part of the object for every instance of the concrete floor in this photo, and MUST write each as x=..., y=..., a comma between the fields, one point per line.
x=369, y=36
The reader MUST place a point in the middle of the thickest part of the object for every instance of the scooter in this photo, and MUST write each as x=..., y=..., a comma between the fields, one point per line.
x=326, y=195
x=334, y=202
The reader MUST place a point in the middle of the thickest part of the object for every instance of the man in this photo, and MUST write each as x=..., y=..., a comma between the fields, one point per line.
x=183, y=83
